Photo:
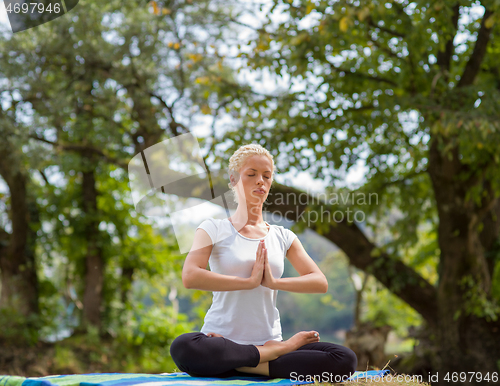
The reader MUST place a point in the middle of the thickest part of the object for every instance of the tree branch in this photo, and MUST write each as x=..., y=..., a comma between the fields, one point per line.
x=474, y=64
x=366, y=76
x=84, y=149
x=403, y=179
x=444, y=57
x=173, y=123
x=371, y=23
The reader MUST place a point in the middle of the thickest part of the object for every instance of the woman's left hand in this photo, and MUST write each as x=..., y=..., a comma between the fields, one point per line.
x=267, y=279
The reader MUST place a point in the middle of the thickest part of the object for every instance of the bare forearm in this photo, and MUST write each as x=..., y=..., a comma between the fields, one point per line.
x=311, y=283
x=203, y=279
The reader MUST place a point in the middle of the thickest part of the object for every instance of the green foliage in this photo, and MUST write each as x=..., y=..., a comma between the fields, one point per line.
x=66, y=361
x=18, y=329
x=385, y=309
x=147, y=336
x=92, y=102
x=476, y=300
x=495, y=290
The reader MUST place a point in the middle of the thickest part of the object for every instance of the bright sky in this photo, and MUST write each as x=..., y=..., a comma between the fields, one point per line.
x=4, y=20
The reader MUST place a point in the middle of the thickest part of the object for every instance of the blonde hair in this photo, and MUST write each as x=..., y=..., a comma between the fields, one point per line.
x=239, y=158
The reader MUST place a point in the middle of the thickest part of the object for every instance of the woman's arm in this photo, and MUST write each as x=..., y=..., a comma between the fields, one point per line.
x=311, y=279
x=195, y=275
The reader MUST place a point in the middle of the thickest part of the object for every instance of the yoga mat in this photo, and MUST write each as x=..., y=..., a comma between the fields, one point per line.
x=166, y=379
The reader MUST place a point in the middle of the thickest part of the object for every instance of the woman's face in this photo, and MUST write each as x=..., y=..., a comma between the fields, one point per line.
x=255, y=174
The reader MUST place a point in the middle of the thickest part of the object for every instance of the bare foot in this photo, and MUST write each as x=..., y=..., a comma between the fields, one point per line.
x=273, y=349
x=300, y=339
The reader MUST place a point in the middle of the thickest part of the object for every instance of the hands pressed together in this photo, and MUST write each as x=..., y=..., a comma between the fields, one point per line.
x=261, y=272
x=261, y=275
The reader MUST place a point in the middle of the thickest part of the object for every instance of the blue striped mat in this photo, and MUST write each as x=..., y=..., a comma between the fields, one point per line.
x=167, y=379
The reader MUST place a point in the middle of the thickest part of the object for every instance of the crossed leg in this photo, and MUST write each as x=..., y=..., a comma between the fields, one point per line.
x=213, y=355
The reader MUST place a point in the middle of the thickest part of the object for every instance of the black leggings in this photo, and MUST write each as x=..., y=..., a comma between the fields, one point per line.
x=201, y=356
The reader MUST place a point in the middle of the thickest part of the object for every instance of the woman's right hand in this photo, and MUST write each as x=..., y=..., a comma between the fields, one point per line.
x=258, y=268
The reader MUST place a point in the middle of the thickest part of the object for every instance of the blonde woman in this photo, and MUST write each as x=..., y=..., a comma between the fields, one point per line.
x=241, y=334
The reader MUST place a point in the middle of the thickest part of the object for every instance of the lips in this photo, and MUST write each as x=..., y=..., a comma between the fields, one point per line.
x=260, y=191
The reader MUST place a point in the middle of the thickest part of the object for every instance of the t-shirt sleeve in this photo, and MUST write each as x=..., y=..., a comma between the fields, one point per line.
x=209, y=226
x=289, y=237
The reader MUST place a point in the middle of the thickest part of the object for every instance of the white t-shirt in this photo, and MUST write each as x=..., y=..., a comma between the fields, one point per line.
x=244, y=316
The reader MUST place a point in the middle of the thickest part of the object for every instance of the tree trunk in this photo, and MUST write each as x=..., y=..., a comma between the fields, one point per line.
x=126, y=283
x=466, y=342
x=17, y=250
x=94, y=264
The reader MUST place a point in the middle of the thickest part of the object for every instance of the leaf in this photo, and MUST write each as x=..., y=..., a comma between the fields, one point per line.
x=156, y=9
x=205, y=109
x=195, y=57
x=202, y=80
x=363, y=13
x=490, y=22
x=344, y=24
x=310, y=7
x=438, y=6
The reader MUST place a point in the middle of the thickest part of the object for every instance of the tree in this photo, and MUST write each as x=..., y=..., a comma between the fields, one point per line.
x=19, y=282
x=412, y=89
x=119, y=78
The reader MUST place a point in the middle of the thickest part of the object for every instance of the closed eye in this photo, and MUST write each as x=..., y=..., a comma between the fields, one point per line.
x=253, y=175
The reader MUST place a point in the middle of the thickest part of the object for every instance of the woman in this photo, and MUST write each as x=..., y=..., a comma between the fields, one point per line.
x=241, y=334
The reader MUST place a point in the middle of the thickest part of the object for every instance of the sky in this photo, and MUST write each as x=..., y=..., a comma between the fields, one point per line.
x=4, y=20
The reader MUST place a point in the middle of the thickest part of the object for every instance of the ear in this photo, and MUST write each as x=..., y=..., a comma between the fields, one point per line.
x=234, y=178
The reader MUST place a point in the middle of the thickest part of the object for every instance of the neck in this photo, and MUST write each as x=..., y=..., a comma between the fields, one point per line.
x=248, y=214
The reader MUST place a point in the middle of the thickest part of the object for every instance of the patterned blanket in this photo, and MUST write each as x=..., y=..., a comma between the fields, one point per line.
x=166, y=379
